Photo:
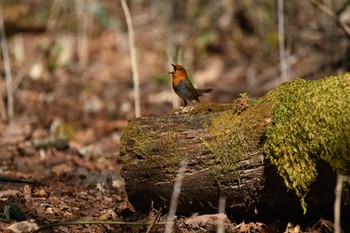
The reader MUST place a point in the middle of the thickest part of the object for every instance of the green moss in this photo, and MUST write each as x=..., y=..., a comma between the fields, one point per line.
x=302, y=122
x=151, y=149
x=233, y=134
x=211, y=107
x=311, y=122
x=142, y=143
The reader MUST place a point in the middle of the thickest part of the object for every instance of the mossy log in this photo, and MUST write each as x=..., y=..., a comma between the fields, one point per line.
x=225, y=149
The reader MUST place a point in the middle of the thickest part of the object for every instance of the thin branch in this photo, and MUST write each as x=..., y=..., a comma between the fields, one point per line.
x=3, y=113
x=7, y=67
x=175, y=197
x=18, y=80
x=165, y=13
x=19, y=180
x=324, y=8
x=84, y=21
x=56, y=224
x=54, y=12
x=337, y=203
x=282, y=49
x=155, y=220
x=133, y=57
x=342, y=18
x=221, y=226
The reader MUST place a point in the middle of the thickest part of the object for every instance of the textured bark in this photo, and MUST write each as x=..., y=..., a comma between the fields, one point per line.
x=153, y=148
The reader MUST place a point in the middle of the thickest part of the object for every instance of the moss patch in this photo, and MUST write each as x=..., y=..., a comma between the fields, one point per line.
x=151, y=149
x=311, y=121
x=202, y=108
x=233, y=134
x=142, y=143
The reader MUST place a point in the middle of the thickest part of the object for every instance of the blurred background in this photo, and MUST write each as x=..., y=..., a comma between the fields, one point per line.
x=70, y=69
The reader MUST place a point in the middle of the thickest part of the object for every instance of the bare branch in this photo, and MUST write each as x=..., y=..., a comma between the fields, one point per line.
x=282, y=50
x=337, y=203
x=133, y=57
x=324, y=8
x=85, y=19
x=221, y=226
x=175, y=197
x=7, y=67
x=343, y=17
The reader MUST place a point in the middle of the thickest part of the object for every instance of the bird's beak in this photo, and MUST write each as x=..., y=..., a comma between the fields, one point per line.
x=174, y=68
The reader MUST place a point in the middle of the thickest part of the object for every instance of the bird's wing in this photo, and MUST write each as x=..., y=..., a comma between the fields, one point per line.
x=191, y=89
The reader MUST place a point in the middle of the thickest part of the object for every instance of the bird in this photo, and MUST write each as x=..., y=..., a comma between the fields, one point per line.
x=183, y=87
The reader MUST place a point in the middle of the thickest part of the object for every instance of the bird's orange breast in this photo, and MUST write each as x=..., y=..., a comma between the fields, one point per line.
x=177, y=80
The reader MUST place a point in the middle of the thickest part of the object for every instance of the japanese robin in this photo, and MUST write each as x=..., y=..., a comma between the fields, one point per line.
x=183, y=87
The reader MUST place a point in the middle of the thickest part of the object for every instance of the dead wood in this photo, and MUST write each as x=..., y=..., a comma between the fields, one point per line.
x=153, y=147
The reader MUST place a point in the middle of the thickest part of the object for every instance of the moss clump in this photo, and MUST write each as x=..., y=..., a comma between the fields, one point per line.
x=211, y=107
x=141, y=142
x=311, y=122
x=151, y=150
x=233, y=134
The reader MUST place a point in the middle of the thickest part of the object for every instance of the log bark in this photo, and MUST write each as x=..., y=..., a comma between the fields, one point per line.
x=153, y=148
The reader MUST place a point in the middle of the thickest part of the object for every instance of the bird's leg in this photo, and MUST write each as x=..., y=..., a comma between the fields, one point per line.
x=185, y=103
x=183, y=108
x=187, y=108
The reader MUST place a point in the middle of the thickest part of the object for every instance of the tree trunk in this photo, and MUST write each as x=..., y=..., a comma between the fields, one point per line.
x=218, y=165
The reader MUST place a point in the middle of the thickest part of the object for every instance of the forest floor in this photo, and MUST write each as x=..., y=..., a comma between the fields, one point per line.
x=59, y=155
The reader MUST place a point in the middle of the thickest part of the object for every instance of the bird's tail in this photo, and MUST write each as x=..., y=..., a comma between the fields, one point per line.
x=202, y=91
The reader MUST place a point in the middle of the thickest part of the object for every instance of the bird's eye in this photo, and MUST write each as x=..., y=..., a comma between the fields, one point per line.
x=180, y=68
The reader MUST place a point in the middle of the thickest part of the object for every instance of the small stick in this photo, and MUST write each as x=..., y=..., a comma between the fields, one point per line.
x=56, y=224
x=155, y=220
x=133, y=57
x=7, y=67
x=175, y=197
x=221, y=226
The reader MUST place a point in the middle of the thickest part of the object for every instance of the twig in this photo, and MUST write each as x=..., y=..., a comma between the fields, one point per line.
x=56, y=224
x=342, y=18
x=175, y=197
x=133, y=57
x=221, y=226
x=155, y=220
x=324, y=8
x=7, y=67
x=54, y=12
x=18, y=80
x=337, y=203
x=19, y=180
x=282, y=49
x=84, y=20
x=3, y=113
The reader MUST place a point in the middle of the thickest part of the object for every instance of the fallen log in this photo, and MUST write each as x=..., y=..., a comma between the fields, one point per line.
x=229, y=155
